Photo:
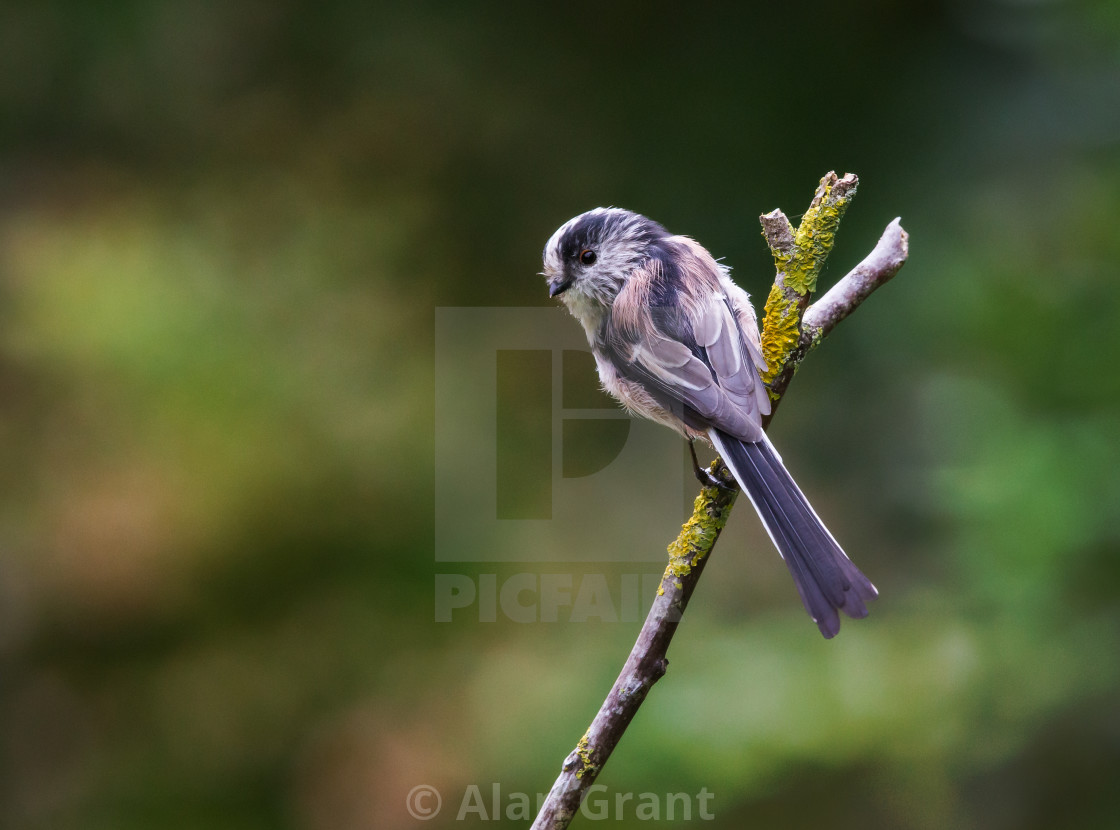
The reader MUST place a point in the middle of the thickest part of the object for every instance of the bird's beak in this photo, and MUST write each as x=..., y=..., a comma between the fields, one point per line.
x=558, y=281
x=558, y=284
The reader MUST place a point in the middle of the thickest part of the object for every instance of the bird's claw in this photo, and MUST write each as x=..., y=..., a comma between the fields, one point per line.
x=708, y=480
x=706, y=477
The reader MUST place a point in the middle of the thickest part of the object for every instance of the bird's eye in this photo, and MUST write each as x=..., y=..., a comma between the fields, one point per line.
x=587, y=256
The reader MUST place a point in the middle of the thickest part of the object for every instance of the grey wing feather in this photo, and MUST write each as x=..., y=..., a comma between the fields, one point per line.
x=715, y=379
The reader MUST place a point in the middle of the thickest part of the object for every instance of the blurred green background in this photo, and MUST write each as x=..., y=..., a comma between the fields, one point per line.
x=224, y=231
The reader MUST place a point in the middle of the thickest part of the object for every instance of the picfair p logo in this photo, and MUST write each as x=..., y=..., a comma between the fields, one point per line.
x=533, y=462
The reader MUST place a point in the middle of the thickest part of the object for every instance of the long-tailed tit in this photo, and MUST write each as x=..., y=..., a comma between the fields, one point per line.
x=676, y=341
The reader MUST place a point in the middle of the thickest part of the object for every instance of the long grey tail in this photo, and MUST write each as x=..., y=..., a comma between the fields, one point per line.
x=826, y=579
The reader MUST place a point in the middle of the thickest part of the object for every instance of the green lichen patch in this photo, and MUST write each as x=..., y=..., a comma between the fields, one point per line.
x=584, y=751
x=780, y=332
x=798, y=270
x=813, y=241
x=699, y=533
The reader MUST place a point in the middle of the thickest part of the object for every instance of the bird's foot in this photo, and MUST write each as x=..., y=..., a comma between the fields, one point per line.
x=705, y=477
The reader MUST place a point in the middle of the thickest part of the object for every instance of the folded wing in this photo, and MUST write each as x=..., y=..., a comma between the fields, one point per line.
x=696, y=361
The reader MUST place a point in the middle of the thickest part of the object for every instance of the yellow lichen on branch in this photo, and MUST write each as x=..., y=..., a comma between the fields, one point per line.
x=698, y=535
x=781, y=327
x=817, y=232
x=583, y=750
x=798, y=258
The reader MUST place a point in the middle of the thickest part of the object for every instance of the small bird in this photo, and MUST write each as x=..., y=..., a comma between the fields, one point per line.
x=676, y=341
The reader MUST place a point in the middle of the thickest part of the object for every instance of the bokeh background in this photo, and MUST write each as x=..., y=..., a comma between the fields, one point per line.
x=224, y=232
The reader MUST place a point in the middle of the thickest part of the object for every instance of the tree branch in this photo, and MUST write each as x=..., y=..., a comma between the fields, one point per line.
x=799, y=261
x=647, y=662
x=791, y=329
x=841, y=300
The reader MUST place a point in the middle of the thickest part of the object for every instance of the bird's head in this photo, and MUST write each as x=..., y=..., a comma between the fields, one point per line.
x=589, y=258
